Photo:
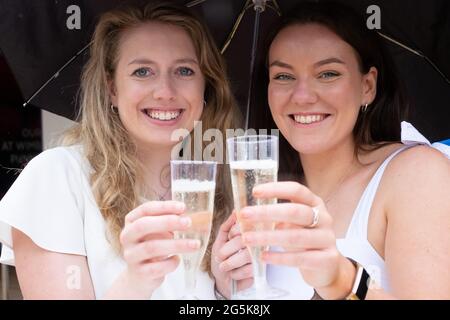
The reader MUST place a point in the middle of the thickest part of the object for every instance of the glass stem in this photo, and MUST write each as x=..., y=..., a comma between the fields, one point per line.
x=190, y=281
x=259, y=269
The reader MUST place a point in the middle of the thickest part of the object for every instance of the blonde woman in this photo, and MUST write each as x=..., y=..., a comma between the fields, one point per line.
x=74, y=223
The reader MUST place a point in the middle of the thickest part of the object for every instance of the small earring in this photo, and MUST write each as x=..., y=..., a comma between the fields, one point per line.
x=204, y=103
x=113, y=108
x=364, y=107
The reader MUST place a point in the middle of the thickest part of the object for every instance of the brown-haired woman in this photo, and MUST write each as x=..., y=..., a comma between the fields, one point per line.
x=359, y=202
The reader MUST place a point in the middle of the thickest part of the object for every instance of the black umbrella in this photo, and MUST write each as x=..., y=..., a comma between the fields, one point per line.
x=46, y=45
x=41, y=37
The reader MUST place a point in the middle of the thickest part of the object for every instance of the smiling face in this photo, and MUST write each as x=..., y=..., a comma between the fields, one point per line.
x=316, y=87
x=158, y=86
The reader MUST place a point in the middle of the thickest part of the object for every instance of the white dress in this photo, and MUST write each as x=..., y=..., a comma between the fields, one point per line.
x=52, y=203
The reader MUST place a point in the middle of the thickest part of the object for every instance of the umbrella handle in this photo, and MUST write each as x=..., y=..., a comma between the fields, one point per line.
x=252, y=65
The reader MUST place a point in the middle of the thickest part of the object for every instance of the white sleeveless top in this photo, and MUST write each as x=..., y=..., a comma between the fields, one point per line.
x=52, y=203
x=355, y=245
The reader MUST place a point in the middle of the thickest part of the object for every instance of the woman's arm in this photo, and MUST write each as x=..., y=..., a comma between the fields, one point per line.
x=44, y=274
x=417, y=246
x=149, y=250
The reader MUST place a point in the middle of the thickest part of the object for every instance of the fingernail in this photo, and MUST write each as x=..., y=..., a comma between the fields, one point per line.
x=194, y=244
x=186, y=221
x=216, y=258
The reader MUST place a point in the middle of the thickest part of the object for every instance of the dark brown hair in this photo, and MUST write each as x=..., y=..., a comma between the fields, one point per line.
x=380, y=124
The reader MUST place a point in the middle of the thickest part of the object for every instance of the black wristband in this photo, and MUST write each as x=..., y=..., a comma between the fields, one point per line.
x=361, y=283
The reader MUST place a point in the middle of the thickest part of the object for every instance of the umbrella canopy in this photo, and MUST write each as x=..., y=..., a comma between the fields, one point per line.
x=41, y=37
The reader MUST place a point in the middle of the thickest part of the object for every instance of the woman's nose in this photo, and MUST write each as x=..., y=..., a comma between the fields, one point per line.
x=164, y=89
x=304, y=93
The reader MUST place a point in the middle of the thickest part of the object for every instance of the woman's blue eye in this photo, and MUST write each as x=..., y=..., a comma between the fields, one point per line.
x=141, y=72
x=328, y=75
x=184, y=71
x=283, y=77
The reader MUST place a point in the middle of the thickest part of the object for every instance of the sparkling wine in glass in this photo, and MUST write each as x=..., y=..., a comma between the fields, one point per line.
x=254, y=161
x=193, y=183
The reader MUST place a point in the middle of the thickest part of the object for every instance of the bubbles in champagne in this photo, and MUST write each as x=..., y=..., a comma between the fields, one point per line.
x=245, y=175
x=198, y=196
x=186, y=185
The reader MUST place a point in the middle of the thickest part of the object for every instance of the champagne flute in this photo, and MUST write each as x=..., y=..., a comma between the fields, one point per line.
x=193, y=183
x=254, y=161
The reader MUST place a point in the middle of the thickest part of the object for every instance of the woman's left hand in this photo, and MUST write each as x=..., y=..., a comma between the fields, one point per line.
x=309, y=247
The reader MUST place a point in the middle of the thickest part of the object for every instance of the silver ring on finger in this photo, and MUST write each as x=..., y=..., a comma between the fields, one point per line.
x=315, y=217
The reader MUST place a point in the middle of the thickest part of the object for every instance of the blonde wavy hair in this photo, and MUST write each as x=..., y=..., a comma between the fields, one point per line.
x=116, y=170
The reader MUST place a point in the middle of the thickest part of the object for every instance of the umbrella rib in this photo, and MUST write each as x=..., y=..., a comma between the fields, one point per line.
x=404, y=46
x=435, y=67
x=194, y=3
x=275, y=7
x=416, y=52
x=56, y=74
x=9, y=169
x=235, y=26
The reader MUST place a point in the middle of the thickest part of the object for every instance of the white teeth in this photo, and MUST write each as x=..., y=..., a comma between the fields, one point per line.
x=163, y=115
x=308, y=119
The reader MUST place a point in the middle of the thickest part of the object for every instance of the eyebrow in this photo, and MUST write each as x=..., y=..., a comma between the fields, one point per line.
x=280, y=64
x=327, y=61
x=146, y=61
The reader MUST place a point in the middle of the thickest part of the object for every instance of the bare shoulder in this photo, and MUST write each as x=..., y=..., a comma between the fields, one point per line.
x=419, y=161
x=418, y=171
x=416, y=205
